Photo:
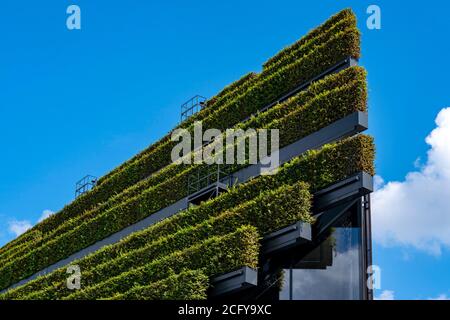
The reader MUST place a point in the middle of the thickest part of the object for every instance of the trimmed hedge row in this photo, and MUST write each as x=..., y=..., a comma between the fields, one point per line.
x=298, y=51
x=213, y=256
x=187, y=285
x=216, y=102
x=125, y=214
x=342, y=15
x=333, y=162
x=232, y=88
x=335, y=96
x=319, y=168
x=353, y=77
x=341, y=45
x=268, y=212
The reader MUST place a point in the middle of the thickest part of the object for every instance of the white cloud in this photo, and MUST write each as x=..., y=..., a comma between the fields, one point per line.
x=18, y=227
x=378, y=183
x=415, y=212
x=386, y=295
x=441, y=297
x=45, y=214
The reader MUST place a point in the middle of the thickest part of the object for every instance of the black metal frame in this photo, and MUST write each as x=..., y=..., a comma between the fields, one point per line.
x=286, y=238
x=84, y=185
x=330, y=205
x=233, y=282
x=341, y=196
x=192, y=106
x=346, y=63
x=366, y=236
x=207, y=183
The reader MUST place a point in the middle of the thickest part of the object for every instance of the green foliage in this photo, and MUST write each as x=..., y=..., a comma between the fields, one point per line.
x=149, y=182
x=333, y=162
x=194, y=215
x=333, y=98
x=319, y=168
x=213, y=256
x=268, y=212
x=308, y=58
x=238, y=86
x=140, y=206
x=187, y=285
x=227, y=94
x=344, y=15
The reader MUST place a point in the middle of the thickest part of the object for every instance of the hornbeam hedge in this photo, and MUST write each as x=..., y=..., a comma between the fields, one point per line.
x=333, y=98
x=213, y=256
x=270, y=211
x=213, y=104
x=237, y=105
x=102, y=224
x=318, y=168
x=298, y=50
x=343, y=15
x=187, y=285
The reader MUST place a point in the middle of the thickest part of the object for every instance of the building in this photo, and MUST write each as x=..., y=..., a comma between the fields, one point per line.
x=152, y=229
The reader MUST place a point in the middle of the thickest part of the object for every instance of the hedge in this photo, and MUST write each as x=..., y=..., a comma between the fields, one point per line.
x=298, y=51
x=242, y=84
x=129, y=212
x=334, y=97
x=318, y=168
x=227, y=94
x=193, y=215
x=215, y=255
x=263, y=91
x=187, y=285
x=261, y=94
x=268, y=212
x=295, y=125
x=342, y=15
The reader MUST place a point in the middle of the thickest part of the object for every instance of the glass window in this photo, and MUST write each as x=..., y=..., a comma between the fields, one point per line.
x=331, y=269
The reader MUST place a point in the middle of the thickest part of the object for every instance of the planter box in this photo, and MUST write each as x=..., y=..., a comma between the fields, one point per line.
x=286, y=238
x=234, y=281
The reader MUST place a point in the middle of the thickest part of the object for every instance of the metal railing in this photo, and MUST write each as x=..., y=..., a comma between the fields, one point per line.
x=84, y=185
x=207, y=176
x=192, y=106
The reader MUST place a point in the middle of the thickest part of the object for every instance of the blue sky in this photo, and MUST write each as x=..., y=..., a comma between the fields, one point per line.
x=79, y=102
